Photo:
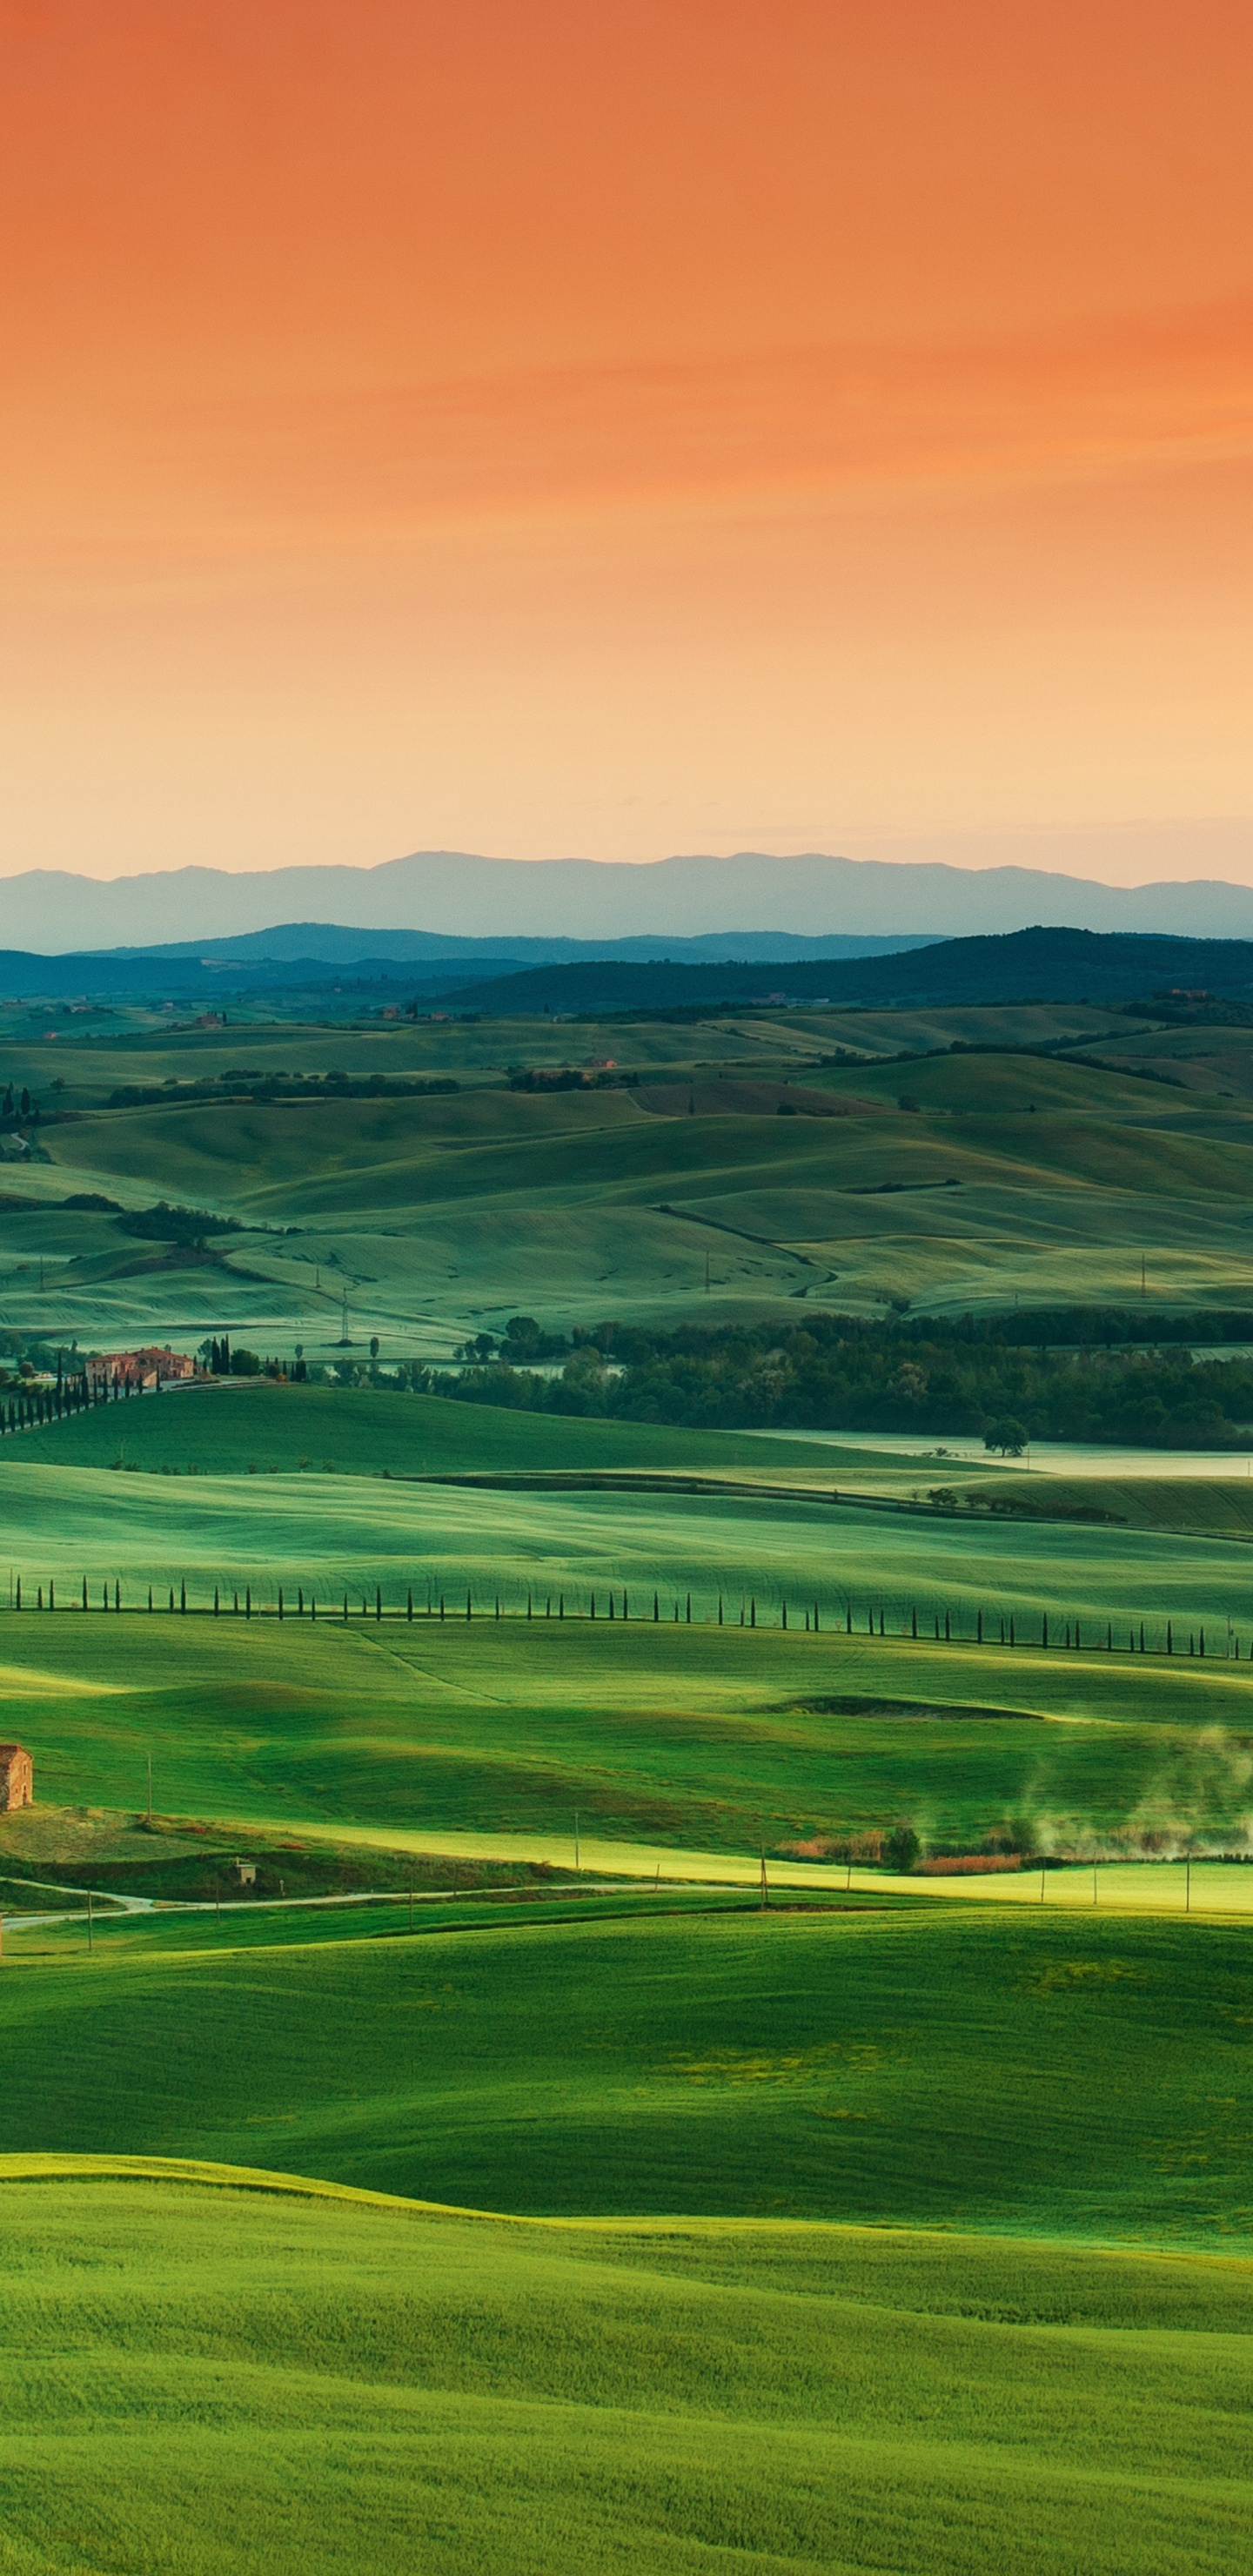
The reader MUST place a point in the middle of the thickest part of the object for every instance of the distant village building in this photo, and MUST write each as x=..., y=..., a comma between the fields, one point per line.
x=17, y=1778
x=146, y=1368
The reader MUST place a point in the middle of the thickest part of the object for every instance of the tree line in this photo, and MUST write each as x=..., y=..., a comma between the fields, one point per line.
x=836, y=1373
x=646, y=1605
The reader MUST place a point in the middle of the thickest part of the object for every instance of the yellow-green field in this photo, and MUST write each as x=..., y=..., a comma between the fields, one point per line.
x=287, y=2384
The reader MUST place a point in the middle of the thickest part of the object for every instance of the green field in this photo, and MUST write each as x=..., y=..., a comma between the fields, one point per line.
x=670, y=1737
x=859, y=2231
x=952, y=1180
x=287, y=2384
x=1087, y=2080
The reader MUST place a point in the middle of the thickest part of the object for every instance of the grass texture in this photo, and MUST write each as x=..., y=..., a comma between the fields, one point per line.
x=200, y=2377
x=1086, y=2078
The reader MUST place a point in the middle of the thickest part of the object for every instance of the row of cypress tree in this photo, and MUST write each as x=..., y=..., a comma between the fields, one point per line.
x=936, y=1627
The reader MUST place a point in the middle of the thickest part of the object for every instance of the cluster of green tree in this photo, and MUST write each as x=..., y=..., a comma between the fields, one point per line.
x=17, y=1106
x=522, y=1343
x=835, y=1374
x=162, y=1224
x=568, y=1077
x=277, y=1086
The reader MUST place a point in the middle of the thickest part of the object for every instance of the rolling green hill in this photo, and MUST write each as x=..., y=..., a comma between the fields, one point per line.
x=659, y=1737
x=1003, y=1174
x=295, y=2385
x=716, y=2062
x=242, y=1423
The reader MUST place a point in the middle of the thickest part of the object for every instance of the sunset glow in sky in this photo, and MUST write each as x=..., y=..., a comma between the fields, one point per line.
x=654, y=425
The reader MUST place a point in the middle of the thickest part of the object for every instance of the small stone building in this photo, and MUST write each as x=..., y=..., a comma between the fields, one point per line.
x=17, y=1778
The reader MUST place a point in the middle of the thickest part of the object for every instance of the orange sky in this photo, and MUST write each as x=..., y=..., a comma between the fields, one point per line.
x=658, y=425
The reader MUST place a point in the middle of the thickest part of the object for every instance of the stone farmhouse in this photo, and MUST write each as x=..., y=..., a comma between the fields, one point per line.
x=17, y=1778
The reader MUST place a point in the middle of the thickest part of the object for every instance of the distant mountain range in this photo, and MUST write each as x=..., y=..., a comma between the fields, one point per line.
x=1021, y=966
x=317, y=956
x=1054, y=965
x=449, y=894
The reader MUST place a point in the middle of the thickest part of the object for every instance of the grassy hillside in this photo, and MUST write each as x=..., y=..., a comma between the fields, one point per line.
x=226, y=1428
x=659, y=1737
x=329, y=1532
x=296, y=2386
x=717, y=2062
x=955, y=1179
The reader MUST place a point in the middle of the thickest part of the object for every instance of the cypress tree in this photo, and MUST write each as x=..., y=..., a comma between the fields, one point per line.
x=215, y=1601
x=313, y=1606
x=1170, y=1638
x=592, y=1607
x=979, y=1628
x=720, y=1609
x=848, y=1620
x=182, y=1596
x=117, y=1596
x=378, y=1603
x=611, y=1604
x=948, y=1634
x=913, y=1621
x=689, y=1609
x=1012, y=1639
x=247, y=1601
x=1044, y=1630
x=882, y=1623
x=300, y=1601
x=280, y=1601
x=561, y=1605
x=1202, y=1641
x=626, y=1606
x=656, y=1609
x=19, y=1592
x=528, y=1605
x=409, y=1606
x=150, y=1598
x=815, y=1618
x=467, y=1604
